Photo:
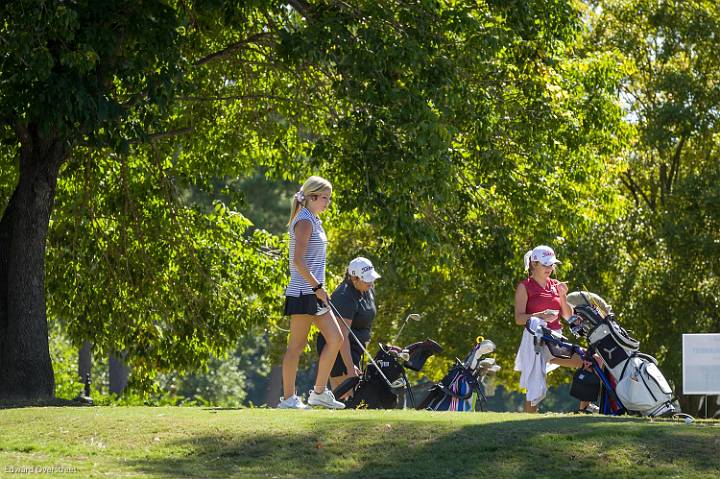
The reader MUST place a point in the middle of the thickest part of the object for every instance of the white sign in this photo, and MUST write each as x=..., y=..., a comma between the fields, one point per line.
x=701, y=364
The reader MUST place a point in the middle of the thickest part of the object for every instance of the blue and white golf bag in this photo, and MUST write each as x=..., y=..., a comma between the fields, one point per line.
x=462, y=389
x=638, y=383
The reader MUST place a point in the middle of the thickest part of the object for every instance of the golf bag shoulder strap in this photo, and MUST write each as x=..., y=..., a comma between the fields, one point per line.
x=622, y=373
x=646, y=356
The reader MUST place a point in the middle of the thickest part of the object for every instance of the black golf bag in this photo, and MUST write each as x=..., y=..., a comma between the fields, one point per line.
x=372, y=391
x=462, y=388
x=633, y=378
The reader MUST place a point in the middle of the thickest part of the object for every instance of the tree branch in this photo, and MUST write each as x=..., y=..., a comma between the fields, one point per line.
x=256, y=38
x=675, y=164
x=165, y=134
x=630, y=188
x=246, y=97
x=300, y=6
x=635, y=190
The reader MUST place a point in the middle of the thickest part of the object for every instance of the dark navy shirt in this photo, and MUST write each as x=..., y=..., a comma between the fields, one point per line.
x=357, y=307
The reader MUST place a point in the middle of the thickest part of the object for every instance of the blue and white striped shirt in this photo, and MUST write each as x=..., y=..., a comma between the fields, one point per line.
x=314, y=257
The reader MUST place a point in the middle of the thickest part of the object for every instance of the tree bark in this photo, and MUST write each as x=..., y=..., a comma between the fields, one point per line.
x=118, y=372
x=5, y=235
x=85, y=360
x=274, y=387
x=25, y=368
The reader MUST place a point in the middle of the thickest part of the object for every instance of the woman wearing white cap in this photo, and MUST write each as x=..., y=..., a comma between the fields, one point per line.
x=542, y=299
x=354, y=300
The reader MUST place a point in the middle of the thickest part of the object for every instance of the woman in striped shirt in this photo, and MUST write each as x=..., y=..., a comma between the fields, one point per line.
x=306, y=301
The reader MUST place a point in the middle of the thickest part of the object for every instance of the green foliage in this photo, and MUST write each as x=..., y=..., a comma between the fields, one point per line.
x=462, y=137
x=65, y=364
x=137, y=270
x=266, y=203
x=227, y=381
x=442, y=127
x=658, y=263
x=671, y=89
x=223, y=384
x=457, y=136
x=84, y=65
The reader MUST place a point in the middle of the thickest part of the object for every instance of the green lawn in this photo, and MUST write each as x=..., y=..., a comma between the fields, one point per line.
x=197, y=442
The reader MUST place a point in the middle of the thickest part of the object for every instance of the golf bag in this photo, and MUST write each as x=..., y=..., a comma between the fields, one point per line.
x=590, y=385
x=634, y=377
x=372, y=391
x=462, y=388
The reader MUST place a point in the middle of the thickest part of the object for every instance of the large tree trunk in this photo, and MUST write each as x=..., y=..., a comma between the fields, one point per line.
x=25, y=367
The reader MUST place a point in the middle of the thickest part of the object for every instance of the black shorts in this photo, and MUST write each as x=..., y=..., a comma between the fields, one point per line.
x=338, y=368
x=304, y=304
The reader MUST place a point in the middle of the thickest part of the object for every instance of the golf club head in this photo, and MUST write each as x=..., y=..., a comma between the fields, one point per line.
x=486, y=347
x=493, y=369
x=413, y=316
x=486, y=363
x=473, y=359
x=398, y=385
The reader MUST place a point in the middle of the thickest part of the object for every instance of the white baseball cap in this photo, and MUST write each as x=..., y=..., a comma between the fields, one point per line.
x=544, y=254
x=363, y=269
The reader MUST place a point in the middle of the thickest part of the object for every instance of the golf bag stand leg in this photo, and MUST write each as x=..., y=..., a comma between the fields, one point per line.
x=408, y=391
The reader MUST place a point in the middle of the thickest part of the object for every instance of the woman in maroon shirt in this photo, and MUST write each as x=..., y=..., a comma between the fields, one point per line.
x=546, y=298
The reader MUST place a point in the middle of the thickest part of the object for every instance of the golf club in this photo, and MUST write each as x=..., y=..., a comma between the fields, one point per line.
x=486, y=363
x=484, y=346
x=414, y=317
x=399, y=383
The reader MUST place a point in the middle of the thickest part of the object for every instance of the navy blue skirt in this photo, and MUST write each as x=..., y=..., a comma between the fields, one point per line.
x=304, y=304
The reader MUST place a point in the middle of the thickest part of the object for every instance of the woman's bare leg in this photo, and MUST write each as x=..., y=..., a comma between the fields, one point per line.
x=330, y=330
x=299, y=328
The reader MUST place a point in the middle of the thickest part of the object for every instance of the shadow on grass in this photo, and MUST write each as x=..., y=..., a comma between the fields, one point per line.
x=236, y=408
x=362, y=448
x=16, y=404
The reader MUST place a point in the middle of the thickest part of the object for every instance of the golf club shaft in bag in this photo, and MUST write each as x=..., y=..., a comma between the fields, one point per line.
x=335, y=312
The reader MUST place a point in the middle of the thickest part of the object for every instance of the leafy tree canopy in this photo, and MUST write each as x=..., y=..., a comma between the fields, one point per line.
x=659, y=262
x=458, y=135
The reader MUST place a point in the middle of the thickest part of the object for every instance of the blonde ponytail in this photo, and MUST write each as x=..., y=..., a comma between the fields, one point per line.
x=312, y=186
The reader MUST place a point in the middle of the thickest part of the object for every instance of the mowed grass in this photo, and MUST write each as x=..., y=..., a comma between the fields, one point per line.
x=264, y=443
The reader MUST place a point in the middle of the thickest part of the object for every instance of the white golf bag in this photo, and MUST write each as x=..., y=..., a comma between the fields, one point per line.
x=640, y=386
